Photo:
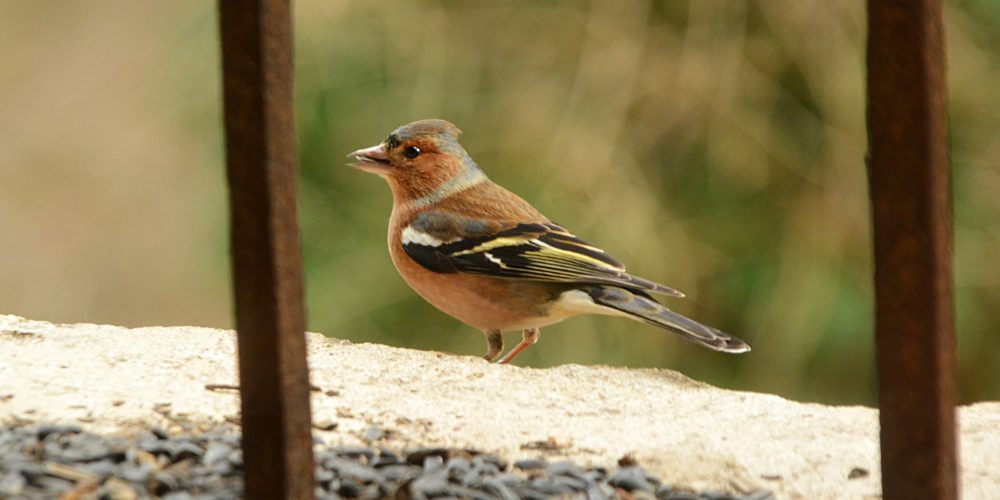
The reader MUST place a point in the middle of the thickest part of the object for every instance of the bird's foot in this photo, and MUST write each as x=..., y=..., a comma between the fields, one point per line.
x=530, y=337
x=494, y=344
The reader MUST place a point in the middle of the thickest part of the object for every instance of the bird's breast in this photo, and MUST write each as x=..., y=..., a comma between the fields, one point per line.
x=483, y=302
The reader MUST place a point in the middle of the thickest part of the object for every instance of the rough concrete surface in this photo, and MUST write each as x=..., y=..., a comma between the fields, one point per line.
x=115, y=379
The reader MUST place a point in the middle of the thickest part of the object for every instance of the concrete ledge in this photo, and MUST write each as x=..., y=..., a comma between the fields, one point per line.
x=116, y=379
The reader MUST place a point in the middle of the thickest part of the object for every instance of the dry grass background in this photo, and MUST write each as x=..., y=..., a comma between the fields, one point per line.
x=716, y=146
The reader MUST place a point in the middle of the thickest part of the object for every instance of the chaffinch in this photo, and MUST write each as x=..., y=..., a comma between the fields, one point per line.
x=488, y=258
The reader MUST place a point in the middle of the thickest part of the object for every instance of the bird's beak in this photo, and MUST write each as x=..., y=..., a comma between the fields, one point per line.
x=373, y=160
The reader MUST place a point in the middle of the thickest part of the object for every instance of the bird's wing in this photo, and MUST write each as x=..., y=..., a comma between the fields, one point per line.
x=447, y=243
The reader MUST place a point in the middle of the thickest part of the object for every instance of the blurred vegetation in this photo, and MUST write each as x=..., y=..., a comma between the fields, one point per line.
x=715, y=146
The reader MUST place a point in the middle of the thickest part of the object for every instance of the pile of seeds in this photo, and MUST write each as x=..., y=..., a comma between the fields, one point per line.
x=51, y=460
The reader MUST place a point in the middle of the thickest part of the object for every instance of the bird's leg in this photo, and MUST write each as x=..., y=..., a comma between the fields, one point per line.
x=494, y=344
x=530, y=337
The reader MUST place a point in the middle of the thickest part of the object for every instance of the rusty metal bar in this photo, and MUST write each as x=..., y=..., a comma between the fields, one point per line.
x=256, y=40
x=911, y=209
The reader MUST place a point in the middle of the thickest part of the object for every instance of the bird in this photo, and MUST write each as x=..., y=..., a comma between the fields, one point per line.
x=488, y=258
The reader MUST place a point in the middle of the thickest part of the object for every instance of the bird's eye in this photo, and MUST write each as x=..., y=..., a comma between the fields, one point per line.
x=411, y=152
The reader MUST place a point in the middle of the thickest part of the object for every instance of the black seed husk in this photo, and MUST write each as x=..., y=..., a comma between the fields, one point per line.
x=46, y=461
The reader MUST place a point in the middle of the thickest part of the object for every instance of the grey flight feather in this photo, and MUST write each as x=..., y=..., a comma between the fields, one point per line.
x=642, y=307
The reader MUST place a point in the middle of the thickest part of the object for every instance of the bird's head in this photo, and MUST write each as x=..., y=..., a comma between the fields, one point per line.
x=418, y=158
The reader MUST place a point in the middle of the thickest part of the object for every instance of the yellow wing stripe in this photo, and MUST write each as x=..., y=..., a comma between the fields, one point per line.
x=546, y=252
x=572, y=256
x=486, y=246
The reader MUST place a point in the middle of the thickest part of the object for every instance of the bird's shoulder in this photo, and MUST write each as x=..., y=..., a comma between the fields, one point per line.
x=490, y=201
x=480, y=210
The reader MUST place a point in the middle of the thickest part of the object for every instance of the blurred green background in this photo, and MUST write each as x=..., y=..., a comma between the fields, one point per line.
x=713, y=145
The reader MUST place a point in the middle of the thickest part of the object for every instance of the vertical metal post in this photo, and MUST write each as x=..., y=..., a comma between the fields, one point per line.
x=911, y=205
x=256, y=40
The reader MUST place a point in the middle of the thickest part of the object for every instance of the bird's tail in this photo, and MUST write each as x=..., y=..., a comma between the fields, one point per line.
x=644, y=308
